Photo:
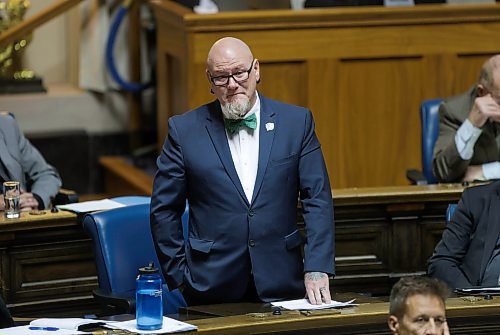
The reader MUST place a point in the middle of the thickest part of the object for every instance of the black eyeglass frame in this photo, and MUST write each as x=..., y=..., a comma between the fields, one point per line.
x=212, y=79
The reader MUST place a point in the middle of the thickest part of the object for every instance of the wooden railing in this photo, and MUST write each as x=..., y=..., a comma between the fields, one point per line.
x=59, y=7
x=33, y=22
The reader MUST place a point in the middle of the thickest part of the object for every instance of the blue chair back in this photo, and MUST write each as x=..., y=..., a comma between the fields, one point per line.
x=429, y=115
x=123, y=243
x=130, y=200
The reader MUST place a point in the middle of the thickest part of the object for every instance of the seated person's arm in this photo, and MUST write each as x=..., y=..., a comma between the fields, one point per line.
x=451, y=158
x=446, y=261
x=454, y=146
x=43, y=179
x=484, y=108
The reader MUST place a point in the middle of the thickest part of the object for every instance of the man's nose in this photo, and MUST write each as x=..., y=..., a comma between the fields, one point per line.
x=232, y=83
x=432, y=329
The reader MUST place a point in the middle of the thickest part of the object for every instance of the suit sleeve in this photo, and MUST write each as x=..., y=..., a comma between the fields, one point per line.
x=44, y=180
x=448, y=256
x=447, y=165
x=317, y=204
x=168, y=202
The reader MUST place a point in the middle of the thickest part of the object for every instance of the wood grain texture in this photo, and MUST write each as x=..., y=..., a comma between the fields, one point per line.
x=463, y=316
x=362, y=71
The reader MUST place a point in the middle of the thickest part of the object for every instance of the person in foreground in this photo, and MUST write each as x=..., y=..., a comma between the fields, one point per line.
x=417, y=307
x=467, y=148
x=241, y=162
x=468, y=254
x=20, y=161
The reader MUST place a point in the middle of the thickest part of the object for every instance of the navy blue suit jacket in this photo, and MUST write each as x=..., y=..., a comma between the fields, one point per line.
x=461, y=257
x=228, y=236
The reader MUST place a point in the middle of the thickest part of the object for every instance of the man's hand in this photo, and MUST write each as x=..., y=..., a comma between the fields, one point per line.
x=473, y=172
x=27, y=202
x=2, y=203
x=484, y=108
x=317, y=287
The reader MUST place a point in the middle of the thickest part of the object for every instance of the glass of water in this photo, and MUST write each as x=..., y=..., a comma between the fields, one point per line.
x=12, y=194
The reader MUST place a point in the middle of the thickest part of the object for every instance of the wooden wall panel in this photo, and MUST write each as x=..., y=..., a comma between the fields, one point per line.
x=362, y=71
x=379, y=133
x=284, y=82
x=322, y=77
x=467, y=68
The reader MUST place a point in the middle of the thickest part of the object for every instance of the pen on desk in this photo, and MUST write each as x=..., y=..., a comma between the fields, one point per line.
x=50, y=329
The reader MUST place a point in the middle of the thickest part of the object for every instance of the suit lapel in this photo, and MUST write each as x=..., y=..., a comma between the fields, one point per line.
x=266, y=138
x=492, y=231
x=217, y=133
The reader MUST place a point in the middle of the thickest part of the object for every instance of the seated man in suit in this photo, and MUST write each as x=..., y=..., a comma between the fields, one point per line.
x=20, y=161
x=469, y=251
x=241, y=162
x=467, y=148
x=417, y=307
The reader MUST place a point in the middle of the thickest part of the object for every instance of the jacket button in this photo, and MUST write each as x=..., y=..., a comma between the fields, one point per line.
x=251, y=243
x=251, y=213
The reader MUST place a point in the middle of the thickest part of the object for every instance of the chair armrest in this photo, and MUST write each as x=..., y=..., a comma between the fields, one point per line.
x=117, y=303
x=416, y=177
x=64, y=197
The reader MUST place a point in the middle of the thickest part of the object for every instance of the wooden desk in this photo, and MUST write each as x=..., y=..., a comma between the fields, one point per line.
x=363, y=71
x=464, y=317
x=383, y=233
x=47, y=265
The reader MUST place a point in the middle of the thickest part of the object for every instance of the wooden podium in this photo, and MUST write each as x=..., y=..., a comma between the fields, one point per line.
x=362, y=71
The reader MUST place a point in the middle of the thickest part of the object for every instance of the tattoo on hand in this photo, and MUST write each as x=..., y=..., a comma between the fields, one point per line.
x=315, y=275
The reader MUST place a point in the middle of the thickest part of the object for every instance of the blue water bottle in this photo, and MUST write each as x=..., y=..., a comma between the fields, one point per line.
x=149, y=306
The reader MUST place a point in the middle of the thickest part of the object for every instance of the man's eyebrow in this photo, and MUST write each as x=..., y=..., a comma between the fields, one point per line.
x=237, y=68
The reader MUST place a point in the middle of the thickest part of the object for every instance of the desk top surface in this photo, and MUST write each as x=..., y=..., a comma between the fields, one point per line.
x=365, y=313
x=37, y=219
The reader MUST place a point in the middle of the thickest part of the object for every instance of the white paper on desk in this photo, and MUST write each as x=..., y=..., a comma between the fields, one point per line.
x=91, y=206
x=64, y=323
x=303, y=304
x=169, y=326
x=24, y=330
x=480, y=289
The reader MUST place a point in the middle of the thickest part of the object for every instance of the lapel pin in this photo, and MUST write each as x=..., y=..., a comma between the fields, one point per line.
x=269, y=126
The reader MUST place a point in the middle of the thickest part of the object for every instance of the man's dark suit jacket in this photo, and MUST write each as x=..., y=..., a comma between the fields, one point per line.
x=5, y=318
x=447, y=165
x=228, y=236
x=460, y=258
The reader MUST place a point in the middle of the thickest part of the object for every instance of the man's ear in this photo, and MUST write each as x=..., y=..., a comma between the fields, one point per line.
x=393, y=324
x=481, y=90
x=257, y=70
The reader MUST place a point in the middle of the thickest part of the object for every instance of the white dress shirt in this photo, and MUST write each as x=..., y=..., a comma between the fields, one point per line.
x=244, y=146
x=465, y=139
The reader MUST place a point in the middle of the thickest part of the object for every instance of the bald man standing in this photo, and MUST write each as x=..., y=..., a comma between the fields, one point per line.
x=242, y=162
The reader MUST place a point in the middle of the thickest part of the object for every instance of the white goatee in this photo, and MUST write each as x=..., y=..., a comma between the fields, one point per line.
x=236, y=110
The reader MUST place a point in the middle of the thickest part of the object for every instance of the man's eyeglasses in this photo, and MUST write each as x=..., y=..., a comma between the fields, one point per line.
x=238, y=77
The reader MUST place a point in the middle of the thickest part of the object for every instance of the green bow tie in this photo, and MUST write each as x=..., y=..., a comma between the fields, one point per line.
x=232, y=125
